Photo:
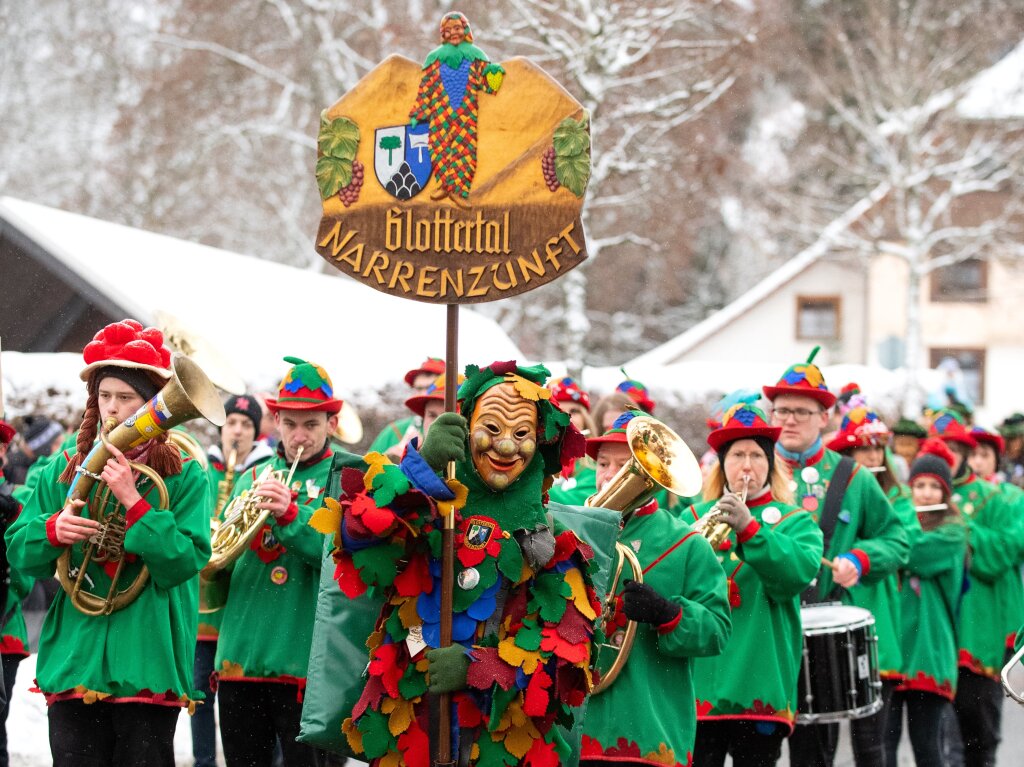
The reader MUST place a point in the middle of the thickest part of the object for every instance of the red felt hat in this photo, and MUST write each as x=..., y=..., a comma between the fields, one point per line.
x=567, y=390
x=435, y=391
x=127, y=344
x=948, y=427
x=6, y=432
x=431, y=365
x=984, y=436
x=742, y=421
x=804, y=380
x=615, y=434
x=860, y=427
x=305, y=387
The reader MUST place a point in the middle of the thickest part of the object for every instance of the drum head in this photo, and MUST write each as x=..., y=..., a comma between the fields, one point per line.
x=833, y=616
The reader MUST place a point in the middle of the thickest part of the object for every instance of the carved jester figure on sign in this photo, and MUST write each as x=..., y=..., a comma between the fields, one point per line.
x=479, y=172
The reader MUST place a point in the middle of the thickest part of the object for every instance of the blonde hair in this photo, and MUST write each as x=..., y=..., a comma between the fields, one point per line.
x=778, y=482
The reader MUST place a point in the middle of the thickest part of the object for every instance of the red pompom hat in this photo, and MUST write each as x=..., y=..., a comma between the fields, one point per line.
x=567, y=390
x=435, y=391
x=305, y=387
x=430, y=366
x=803, y=379
x=860, y=428
x=127, y=344
x=948, y=427
x=984, y=436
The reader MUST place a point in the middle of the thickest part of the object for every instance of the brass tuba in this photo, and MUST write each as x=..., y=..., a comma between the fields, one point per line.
x=242, y=521
x=659, y=459
x=187, y=395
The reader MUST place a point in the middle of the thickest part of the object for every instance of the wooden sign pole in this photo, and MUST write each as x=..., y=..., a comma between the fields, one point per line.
x=451, y=367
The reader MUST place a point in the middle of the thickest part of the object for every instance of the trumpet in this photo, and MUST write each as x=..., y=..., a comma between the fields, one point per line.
x=710, y=524
x=242, y=521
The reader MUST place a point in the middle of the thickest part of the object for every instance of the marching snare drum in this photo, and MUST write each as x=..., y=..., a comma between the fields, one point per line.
x=839, y=673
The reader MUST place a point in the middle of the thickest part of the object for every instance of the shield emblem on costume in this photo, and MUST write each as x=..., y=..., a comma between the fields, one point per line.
x=401, y=159
x=479, y=533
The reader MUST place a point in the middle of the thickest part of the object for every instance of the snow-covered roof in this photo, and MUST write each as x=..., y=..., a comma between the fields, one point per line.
x=997, y=93
x=255, y=311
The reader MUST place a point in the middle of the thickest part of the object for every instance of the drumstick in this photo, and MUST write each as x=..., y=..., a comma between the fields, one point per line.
x=827, y=563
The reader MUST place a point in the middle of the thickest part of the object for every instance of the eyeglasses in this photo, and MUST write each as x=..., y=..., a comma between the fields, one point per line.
x=800, y=414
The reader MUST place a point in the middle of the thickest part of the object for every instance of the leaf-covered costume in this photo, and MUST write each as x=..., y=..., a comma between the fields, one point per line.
x=102, y=657
x=526, y=625
x=648, y=715
x=268, y=618
x=768, y=565
x=994, y=535
x=870, y=531
x=453, y=78
x=932, y=581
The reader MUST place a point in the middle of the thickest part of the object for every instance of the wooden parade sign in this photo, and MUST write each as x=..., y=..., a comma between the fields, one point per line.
x=453, y=185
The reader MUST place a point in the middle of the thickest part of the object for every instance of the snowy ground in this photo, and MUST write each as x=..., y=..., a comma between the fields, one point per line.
x=28, y=743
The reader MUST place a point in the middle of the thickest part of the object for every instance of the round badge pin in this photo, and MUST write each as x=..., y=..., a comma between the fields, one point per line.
x=968, y=508
x=468, y=578
x=793, y=485
x=771, y=515
x=809, y=503
x=809, y=474
x=279, y=576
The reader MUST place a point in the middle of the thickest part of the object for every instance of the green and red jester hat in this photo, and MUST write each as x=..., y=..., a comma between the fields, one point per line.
x=566, y=389
x=616, y=434
x=948, y=425
x=305, y=387
x=805, y=380
x=637, y=392
x=743, y=421
x=860, y=427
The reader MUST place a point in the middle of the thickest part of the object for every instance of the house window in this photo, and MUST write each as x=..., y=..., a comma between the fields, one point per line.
x=817, y=318
x=963, y=281
x=968, y=372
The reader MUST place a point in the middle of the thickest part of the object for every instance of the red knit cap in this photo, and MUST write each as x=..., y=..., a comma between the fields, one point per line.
x=6, y=433
x=127, y=344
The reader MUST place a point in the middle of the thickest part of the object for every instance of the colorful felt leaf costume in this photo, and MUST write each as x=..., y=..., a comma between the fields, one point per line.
x=526, y=625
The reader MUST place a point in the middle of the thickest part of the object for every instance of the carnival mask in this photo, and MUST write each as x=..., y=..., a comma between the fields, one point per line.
x=502, y=435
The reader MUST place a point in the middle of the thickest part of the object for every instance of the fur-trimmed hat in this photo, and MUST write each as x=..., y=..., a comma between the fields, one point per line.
x=935, y=460
x=805, y=380
x=305, y=387
x=247, y=405
x=127, y=344
x=429, y=366
x=860, y=427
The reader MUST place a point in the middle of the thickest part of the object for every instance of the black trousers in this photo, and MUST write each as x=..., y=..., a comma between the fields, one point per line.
x=112, y=734
x=815, y=745
x=10, y=663
x=979, y=711
x=928, y=717
x=253, y=716
x=751, y=744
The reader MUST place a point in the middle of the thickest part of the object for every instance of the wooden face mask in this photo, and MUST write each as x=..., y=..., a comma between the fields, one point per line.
x=502, y=435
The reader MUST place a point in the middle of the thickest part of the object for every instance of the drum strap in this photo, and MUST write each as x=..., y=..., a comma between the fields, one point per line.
x=829, y=516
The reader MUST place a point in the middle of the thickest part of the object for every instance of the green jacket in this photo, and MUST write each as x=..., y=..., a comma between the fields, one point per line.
x=869, y=530
x=14, y=640
x=1013, y=496
x=994, y=534
x=145, y=651
x=392, y=434
x=932, y=581
x=267, y=623
x=575, y=490
x=648, y=714
x=767, y=567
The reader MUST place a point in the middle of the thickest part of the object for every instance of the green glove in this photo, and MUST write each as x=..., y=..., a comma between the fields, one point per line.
x=445, y=441
x=447, y=669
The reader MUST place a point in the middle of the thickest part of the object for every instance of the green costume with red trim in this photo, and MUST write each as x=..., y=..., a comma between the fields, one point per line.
x=393, y=433
x=102, y=657
x=768, y=565
x=932, y=581
x=15, y=634
x=267, y=623
x=1013, y=496
x=995, y=535
x=648, y=714
x=580, y=485
x=868, y=529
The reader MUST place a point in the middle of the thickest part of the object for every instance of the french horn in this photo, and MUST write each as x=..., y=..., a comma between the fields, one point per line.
x=658, y=459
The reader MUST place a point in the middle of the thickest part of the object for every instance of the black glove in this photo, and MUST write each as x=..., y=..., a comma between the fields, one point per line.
x=643, y=604
x=8, y=508
x=445, y=441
